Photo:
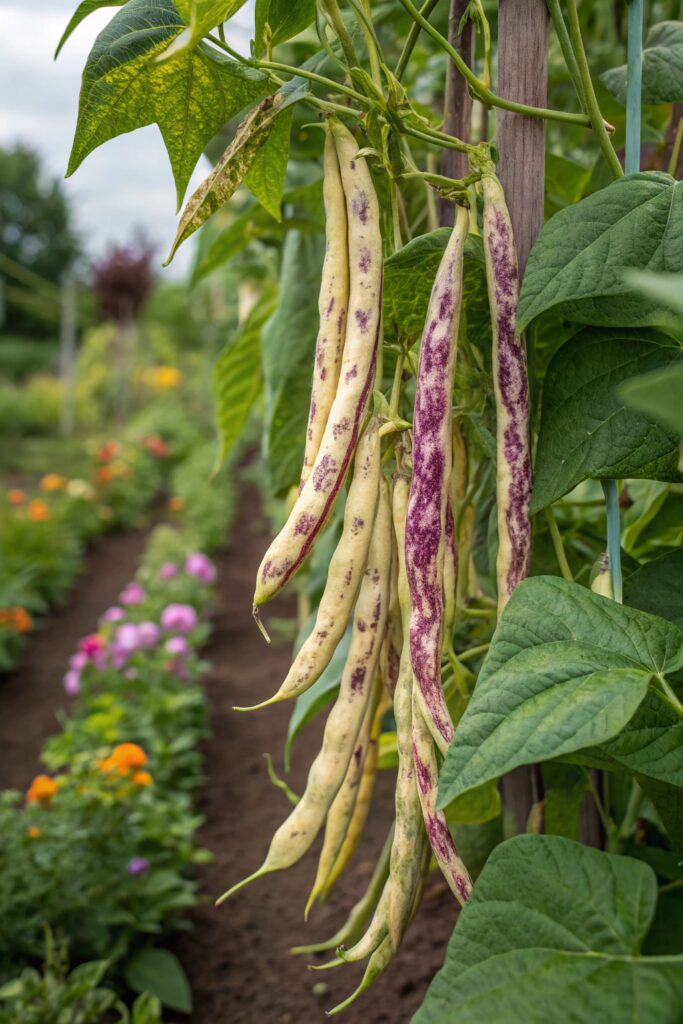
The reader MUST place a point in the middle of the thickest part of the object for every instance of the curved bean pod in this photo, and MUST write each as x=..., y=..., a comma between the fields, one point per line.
x=513, y=467
x=294, y=542
x=297, y=833
x=429, y=489
x=440, y=839
x=332, y=305
x=344, y=574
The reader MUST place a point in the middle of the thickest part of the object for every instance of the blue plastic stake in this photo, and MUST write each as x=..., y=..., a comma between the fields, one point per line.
x=634, y=85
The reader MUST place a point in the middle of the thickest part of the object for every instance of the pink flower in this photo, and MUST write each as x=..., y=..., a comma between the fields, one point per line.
x=78, y=661
x=132, y=593
x=137, y=866
x=179, y=618
x=178, y=667
x=113, y=614
x=168, y=571
x=72, y=683
x=148, y=634
x=178, y=645
x=127, y=638
x=91, y=645
x=200, y=566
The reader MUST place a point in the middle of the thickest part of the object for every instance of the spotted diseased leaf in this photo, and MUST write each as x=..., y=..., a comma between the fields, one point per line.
x=662, y=67
x=553, y=933
x=587, y=428
x=566, y=671
x=80, y=14
x=229, y=172
x=265, y=179
x=124, y=87
x=579, y=260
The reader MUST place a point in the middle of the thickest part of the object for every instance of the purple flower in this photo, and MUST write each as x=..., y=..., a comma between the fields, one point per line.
x=127, y=638
x=168, y=571
x=137, y=866
x=132, y=593
x=179, y=618
x=178, y=645
x=148, y=634
x=78, y=661
x=113, y=614
x=200, y=566
x=119, y=656
x=72, y=683
x=178, y=667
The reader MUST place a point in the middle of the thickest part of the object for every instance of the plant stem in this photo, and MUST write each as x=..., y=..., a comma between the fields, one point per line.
x=222, y=45
x=614, y=537
x=287, y=69
x=558, y=545
x=634, y=85
x=409, y=45
x=396, y=386
x=485, y=94
x=473, y=652
x=343, y=34
x=362, y=9
x=676, y=149
x=565, y=42
x=631, y=816
x=438, y=138
x=602, y=814
x=589, y=92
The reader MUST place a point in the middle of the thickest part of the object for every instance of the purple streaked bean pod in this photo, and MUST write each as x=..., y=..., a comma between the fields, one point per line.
x=333, y=303
x=440, y=838
x=450, y=576
x=298, y=832
x=511, y=386
x=425, y=524
x=316, y=500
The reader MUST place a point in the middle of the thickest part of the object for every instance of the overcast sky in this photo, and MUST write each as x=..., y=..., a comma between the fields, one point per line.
x=127, y=182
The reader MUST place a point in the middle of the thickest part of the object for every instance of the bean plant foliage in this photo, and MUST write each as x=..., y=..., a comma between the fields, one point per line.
x=478, y=499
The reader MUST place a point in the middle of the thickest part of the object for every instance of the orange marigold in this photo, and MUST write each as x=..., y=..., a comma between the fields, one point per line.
x=33, y=832
x=16, y=496
x=22, y=620
x=143, y=779
x=52, y=482
x=37, y=511
x=124, y=758
x=42, y=790
x=176, y=504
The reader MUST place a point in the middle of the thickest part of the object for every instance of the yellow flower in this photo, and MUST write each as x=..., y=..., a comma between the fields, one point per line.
x=80, y=489
x=42, y=790
x=52, y=482
x=163, y=377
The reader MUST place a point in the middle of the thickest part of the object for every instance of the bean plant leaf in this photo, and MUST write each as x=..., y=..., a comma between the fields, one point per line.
x=85, y=8
x=189, y=98
x=657, y=587
x=662, y=67
x=579, y=258
x=241, y=153
x=204, y=15
x=658, y=396
x=552, y=933
x=587, y=429
x=276, y=21
x=265, y=179
x=566, y=670
x=159, y=972
x=238, y=379
x=663, y=289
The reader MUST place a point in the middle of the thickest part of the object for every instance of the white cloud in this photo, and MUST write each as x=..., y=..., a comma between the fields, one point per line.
x=125, y=184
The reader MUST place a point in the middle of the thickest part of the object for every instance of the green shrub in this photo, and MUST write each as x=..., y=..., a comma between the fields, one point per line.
x=31, y=409
x=22, y=357
x=207, y=502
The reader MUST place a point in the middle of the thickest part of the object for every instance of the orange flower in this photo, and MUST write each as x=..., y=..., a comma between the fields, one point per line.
x=42, y=790
x=108, y=451
x=176, y=504
x=37, y=511
x=143, y=779
x=17, y=619
x=16, y=496
x=33, y=832
x=104, y=475
x=52, y=482
x=124, y=758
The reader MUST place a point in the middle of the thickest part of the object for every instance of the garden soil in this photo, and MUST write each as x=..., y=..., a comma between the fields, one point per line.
x=237, y=956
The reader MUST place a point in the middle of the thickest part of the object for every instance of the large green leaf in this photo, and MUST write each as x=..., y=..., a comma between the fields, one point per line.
x=579, y=258
x=189, y=98
x=159, y=972
x=662, y=67
x=552, y=933
x=657, y=587
x=237, y=377
x=566, y=670
x=658, y=396
x=229, y=172
x=587, y=430
x=265, y=178
x=276, y=21
x=85, y=8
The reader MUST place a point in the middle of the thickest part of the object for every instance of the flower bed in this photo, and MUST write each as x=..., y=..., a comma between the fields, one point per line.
x=100, y=848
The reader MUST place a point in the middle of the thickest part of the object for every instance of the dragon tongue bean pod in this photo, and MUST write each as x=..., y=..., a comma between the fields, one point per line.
x=297, y=833
x=344, y=574
x=513, y=467
x=363, y=326
x=440, y=839
x=425, y=524
x=332, y=306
